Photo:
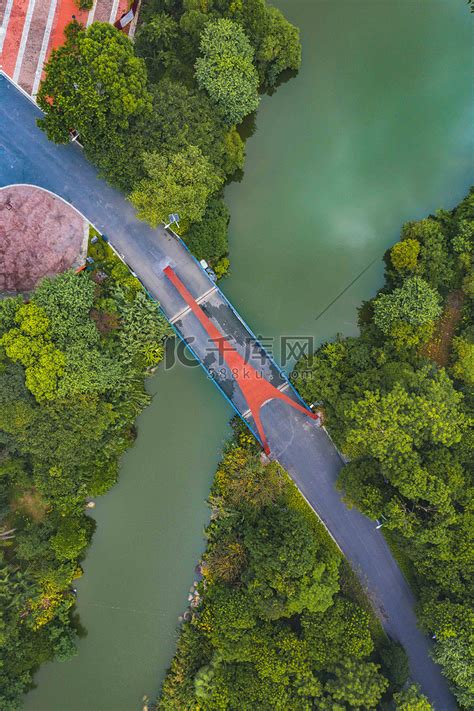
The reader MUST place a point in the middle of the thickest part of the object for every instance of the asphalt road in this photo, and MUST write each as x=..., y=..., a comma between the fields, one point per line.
x=303, y=449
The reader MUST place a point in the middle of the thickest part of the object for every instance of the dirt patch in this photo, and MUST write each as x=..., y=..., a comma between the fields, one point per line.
x=40, y=235
x=31, y=504
x=439, y=346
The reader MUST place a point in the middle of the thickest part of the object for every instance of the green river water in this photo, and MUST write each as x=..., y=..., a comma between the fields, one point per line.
x=375, y=130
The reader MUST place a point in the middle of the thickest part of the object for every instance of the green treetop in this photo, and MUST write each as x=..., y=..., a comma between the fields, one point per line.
x=181, y=182
x=95, y=84
x=226, y=71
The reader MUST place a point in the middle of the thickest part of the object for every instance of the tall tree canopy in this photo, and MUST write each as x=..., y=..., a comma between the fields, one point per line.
x=271, y=626
x=95, y=84
x=226, y=71
x=182, y=182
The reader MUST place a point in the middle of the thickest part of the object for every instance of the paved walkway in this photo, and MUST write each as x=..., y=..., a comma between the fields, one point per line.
x=30, y=29
x=40, y=235
x=303, y=448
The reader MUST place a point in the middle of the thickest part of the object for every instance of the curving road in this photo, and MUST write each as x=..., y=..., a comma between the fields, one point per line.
x=294, y=439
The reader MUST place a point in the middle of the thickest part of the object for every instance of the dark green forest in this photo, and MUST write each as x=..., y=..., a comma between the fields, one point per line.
x=162, y=118
x=279, y=621
x=72, y=362
x=398, y=402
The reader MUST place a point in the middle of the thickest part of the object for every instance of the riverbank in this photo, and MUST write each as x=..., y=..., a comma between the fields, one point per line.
x=308, y=217
x=74, y=356
x=279, y=618
x=399, y=407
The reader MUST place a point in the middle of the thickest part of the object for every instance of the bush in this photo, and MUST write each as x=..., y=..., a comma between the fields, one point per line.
x=208, y=239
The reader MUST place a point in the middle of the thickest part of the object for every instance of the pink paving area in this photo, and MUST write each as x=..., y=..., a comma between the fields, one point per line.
x=35, y=42
x=103, y=10
x=256, y=390
x=41, y=39
x=3, y=6
x=13, y=36
x=40, y=235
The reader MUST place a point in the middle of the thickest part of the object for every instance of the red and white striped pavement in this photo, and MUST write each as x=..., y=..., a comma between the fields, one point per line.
x=30, y=29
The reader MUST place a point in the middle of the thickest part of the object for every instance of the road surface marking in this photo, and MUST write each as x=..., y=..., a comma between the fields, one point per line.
x=6, y=20
x=90, y=16
x=44, y=46
x=199, y=300
x=24, y=38
x=113, y=12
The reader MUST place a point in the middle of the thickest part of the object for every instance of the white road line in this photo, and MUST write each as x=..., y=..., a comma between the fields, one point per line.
x=6, y=20
x=44, y=46
x=113, y=12
x=90, y=16
x=24, y=38
x=206, y=294
x=199, y=300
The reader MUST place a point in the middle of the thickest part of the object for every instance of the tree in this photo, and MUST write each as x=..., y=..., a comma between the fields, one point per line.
x=415, y=303
x=452, y=625
x=71, y=539
x=362, y=484
x=274, y=39
x=182, y=182
x=31, y=345
x=280, y=47
x=404, y=254
x=287, y=571
x=142, y=332
x=67, y=300
x=411, y=699
x=94, y=84
x=396, y=427
x=225, y=560
x=435, y=263
x=245, y=483
x=395, y=664
x=208, y=239
x=225, y=70
x=358, y=683
x=155, y=42
x=346, y=634
x=463, y=367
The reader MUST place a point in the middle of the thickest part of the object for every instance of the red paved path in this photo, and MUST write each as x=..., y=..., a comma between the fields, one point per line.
x=41, y=36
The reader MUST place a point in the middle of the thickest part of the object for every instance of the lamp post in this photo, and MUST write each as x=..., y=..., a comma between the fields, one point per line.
x=173, y=220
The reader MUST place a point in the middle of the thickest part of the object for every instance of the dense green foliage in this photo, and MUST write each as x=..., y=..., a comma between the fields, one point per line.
x=226, y=70
x=398, y=402
x=159, y=117
x=72, y=363
x=95, y=84
x=279, y=621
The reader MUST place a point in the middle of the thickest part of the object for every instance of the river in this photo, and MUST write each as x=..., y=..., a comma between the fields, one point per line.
x=375, y=130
